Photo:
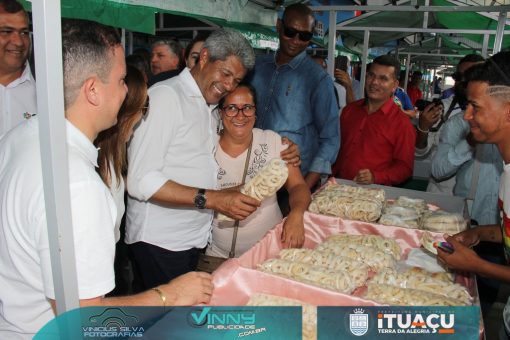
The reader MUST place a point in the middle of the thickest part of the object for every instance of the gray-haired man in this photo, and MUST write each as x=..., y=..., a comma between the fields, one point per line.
x=172, y=171
x=166, y=60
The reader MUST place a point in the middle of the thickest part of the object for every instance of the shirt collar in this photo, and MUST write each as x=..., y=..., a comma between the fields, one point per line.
x=25, y=76
x=385, y=108
x=294, y=63
x=190, y=83
x=193, y=89
x=77, y=139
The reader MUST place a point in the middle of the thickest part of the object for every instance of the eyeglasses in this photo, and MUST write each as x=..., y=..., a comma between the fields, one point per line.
x=145, y=108
x=290, y=32
x=232, y=110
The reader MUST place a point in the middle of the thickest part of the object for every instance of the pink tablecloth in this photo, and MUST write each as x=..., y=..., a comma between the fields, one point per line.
x=237, y=279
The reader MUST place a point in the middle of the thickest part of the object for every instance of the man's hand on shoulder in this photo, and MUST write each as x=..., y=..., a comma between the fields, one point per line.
x=291, y=154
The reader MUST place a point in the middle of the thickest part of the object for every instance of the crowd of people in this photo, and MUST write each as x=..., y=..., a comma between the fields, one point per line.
x=180, y=130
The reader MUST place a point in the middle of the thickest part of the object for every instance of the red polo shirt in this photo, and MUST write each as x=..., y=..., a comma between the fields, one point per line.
x=382, y=141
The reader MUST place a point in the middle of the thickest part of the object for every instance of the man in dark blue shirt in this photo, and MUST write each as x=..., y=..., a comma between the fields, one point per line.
x=295, y=96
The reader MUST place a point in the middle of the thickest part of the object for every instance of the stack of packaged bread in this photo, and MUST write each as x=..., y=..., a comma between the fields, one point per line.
x=370, y=205
x=366, y=266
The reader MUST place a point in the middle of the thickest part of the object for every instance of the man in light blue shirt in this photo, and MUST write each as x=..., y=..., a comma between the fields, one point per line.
x=455, y=155
x=295, y=96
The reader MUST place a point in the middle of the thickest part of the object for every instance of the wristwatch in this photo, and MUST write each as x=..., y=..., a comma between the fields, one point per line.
x=200, y=199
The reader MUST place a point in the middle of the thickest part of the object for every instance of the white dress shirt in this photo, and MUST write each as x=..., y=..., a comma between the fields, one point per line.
x=17, y=101
x=26, y=280
x=176, y=142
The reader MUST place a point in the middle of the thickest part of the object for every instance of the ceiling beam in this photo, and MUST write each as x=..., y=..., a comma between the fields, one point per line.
x=390, y=8
x=418, y=30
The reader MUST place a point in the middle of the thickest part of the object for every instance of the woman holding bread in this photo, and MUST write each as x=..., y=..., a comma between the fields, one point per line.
x=244, y=149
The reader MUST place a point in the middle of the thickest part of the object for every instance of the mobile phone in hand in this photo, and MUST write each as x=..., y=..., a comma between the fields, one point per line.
x=341, y=63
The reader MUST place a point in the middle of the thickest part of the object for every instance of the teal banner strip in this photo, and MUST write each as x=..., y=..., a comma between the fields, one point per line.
x=400, y=322
x=237, y=322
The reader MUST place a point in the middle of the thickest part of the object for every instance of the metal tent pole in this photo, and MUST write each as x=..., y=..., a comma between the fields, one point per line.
x=50, y=110
x=332, y=42
x=366, y=39
x=498, y=40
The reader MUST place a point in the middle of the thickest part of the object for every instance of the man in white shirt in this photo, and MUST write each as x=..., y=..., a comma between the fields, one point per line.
x=94, y=71
x=17, y=86
x=172, y=171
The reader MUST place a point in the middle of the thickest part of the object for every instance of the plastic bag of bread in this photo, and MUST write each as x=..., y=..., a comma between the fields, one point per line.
x=340, y=281
x=443, y=222
x=344, y=190
x=393, y=209
x=346, y=207
x=265, y=183
x=399, y=221
x=322, y=259
x=418, y=204
x=393, y=295
x=373, y=257
x=387, y=245
x=427, y=283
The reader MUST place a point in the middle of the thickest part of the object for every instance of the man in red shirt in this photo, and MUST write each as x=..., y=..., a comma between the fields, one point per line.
x=377, y=138
x=413, y=89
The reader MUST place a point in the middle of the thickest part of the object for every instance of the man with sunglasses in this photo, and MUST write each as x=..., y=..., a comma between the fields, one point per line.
x=296, y=96
x=17, y=85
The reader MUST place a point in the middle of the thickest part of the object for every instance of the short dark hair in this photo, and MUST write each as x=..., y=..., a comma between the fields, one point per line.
x=470, y=58
x=139, y=62
x=11, y=6
x=198, y=38
x=246, y=85
x=301, y=10
x=87, y=49
x=494, y=71
x=388, y=60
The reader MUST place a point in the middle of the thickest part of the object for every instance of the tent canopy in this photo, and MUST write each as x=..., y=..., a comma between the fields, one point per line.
x=408, y=39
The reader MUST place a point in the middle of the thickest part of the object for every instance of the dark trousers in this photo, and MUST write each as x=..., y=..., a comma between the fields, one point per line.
x=158, y=265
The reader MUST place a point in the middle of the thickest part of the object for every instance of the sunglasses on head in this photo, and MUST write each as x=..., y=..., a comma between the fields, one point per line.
x=290, y=32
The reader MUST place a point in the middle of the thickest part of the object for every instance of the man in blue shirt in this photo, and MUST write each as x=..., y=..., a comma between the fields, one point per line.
x=457, y=155
x=295, y=96
x=402, y=99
